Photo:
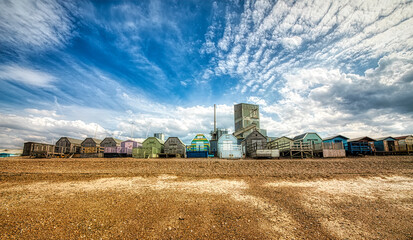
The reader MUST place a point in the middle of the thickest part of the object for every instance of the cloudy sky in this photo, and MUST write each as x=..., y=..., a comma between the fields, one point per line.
x=129, y=69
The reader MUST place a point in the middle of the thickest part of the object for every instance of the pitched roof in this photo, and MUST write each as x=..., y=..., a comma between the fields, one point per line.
x=160, y=140
x=298, y=137
x=114, y=139
x=360, y=138
x=176, y=138
x=383, y=138
x=74, y=140
x=256, y=131
x=332, y=137
x=97, y=141
x=402, y=137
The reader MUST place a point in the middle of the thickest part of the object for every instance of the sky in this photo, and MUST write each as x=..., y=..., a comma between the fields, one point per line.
x=128, y=69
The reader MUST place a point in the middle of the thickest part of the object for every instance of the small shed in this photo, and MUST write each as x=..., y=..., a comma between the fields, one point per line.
x=174, y=147
x=67, y=146
x=128, y=145
x=386, y=144
x=254, y=141
x=405, y=143
x=228, y=147
x=334, y=146
x=151, y=147
x=111, y=147
x=91, y=148
x=35, y=149
x=360, y=145
x=199, y=147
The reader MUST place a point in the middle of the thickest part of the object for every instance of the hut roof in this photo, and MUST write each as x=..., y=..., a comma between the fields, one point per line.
x=332, y=137
x=176, y=138
x=255, y=131
x=302, y=136
x=369, y=139
x=159, y=140
x=98, y=141
x=298, y=137
x=282, y=137
x=384, y=138
x=402, y=137
x=74, y=140
x=116, y=140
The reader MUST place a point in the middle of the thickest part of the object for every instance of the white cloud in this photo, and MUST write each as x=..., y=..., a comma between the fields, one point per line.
x=257, y=100
x=46, y=113
x=26, y=76
x=44, y=129
x=291, y=42
x=36, y=24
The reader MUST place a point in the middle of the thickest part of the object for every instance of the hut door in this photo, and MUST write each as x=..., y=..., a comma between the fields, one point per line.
x=199, y=146
x=390, y=144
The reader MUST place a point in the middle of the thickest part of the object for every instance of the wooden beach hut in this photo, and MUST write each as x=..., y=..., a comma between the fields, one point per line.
x=228, y=147
x=405, y=143
x=199, y=147
x=174, y=147
x=127, y=147
x=280, y=143
x=35, y=149
x=255, y=145
x=68, y=147
x=91, y=148
x=111, y=147
x=151, y=147
x=334, y=146
x=360, y=145
x=309, y=137
x=386, y=145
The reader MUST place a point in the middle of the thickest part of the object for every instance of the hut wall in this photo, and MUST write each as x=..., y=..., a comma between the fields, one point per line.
x=38, y=149
x=228, y=147
x=145, y=152
x=175, y=146
x=338, y=139
x=27, y=148
x=199, y=147
x=405, y=144
x=327, y=153
x=151, y=147
x=386, y=145
x=254, y=141
x=112, y=149
x=128, y=145
x=65, y=146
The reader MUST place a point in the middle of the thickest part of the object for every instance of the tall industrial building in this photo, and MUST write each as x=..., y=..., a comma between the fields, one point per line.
x=244, y=116
x=159, y=136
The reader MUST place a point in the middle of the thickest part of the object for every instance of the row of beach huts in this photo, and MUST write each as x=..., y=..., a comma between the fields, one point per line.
x=255, y=145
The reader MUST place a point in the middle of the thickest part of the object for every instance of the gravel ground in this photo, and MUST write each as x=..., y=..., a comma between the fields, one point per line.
x=348, y=198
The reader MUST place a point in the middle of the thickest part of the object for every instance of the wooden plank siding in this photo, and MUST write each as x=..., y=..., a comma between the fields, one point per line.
x=254, y=141
x=34, y=149
x=174, y=147
x=91, y=148
x=66, y=146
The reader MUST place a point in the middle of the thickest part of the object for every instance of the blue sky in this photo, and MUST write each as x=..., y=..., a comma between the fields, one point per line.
x=132, y=68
